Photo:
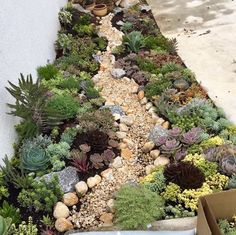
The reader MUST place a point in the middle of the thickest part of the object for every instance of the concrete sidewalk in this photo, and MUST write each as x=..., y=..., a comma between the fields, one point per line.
x=206, y=35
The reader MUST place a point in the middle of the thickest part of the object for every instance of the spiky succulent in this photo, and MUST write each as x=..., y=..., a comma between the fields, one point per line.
x=33, y=154
x=80, y=161
x=193, y=136
x=184, y=174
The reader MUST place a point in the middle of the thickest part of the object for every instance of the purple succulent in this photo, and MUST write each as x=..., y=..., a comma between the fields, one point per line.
x=108, y=156
x=97, y=161
x=228, y=164
x=193, y=136
x=210, y=154
x=171, y=146
x=181, y=154
x=160, y=140
x=175, y=132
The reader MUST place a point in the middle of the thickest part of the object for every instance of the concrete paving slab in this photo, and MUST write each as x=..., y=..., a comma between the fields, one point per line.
x=206, y=35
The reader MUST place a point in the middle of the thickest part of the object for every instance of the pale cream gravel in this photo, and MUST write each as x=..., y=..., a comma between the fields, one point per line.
x=122, y=92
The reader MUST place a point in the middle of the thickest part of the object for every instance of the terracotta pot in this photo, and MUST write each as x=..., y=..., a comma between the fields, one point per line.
x=100, y=10
x=110, y=6
x=89, y=7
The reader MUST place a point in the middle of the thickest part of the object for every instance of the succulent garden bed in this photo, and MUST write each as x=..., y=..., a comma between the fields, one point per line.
x=117, y=131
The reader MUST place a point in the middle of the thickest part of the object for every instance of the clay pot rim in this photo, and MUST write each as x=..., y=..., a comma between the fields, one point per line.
x=100, y=6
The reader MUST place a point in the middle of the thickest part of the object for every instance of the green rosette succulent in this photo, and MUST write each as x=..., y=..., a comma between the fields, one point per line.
x=35, y=159
x=33, y=154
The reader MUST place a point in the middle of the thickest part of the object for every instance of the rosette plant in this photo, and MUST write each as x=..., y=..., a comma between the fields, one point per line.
x=171, y=146
x=33, y=154
x=193, y=136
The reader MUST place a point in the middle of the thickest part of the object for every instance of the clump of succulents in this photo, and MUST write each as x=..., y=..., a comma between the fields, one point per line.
x=27, y=228
x=144, y=206
x=184, y=174
x=175, y=142
x=177, y=211
x=155, y=181
x=40, y=195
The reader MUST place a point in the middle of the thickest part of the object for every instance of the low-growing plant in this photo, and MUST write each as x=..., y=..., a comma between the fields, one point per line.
x=47, y=72
x=26, y=228
x=144, y=206
x=40, y=195
x=3, y=189
x=64, y=42
x=9, y=211
x=64, y=104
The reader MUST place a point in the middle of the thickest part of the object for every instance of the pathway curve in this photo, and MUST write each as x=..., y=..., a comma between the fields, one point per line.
x=206, y=35
x=134, y=129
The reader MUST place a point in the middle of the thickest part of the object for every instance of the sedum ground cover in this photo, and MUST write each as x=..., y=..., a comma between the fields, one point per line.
x=68, y=125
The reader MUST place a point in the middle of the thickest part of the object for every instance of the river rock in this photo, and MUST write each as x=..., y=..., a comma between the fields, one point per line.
x=148, y=147
x=62, y=225
x=61, y=210
x=141, y=95
x=118, y=73
x=70, y=199
x=117, y=162
x=107, y=218
x=127, y=120
x=81, y=188
x=93, y=181
x=161, y=161
x=107, y=174
x=149, y=169
x=155, y=153
x=123, y=127
x=126, y=153
x=110, y=205
x=115, y=109
x=120, y=134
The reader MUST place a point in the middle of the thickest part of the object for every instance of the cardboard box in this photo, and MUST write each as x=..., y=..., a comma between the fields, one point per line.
x=212, y=207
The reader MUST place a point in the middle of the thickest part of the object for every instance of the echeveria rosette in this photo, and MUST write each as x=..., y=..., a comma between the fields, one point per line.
x=35, y=159
x=171, y=146
x=228, y=165
x=160, y=140
x=193, y=136
x=175, y=132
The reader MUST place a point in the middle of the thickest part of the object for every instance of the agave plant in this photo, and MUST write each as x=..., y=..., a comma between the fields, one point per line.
x=171, y=146
x=193, y=136
x=5, y=224
x=134, y=41
x=33, y=154
x=30, y=105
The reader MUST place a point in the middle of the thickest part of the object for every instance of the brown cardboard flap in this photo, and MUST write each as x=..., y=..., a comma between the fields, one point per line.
x=212, y=207
x=202, y=223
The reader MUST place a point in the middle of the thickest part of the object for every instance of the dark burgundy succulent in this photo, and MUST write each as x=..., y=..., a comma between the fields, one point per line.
x=184, y=174
x=97, y=139
x=80, y=161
